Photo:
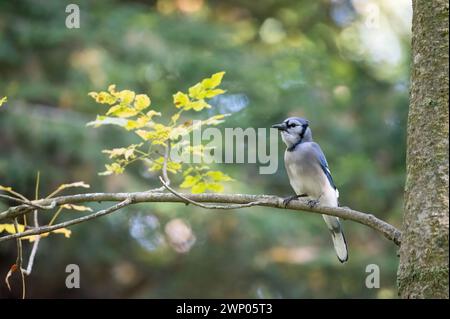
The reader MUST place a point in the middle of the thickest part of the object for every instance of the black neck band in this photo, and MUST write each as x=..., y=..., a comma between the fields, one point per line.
x=302, y=135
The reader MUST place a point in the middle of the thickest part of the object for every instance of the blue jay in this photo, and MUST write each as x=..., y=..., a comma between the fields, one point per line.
x=310, y=176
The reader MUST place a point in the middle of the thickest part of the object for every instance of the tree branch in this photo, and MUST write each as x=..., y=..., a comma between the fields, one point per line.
x=242, y=200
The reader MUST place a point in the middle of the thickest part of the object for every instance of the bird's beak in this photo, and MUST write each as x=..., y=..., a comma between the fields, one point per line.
x=280, y=127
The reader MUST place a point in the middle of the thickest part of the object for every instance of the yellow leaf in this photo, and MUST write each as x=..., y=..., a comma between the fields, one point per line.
x=126, y=96
x=212, y=93
x=79, y=208
x=173, y=167
x=122, y=110
x=197, y=91
x=127, y=153
x=93, y=95
x=218, y=176
x=76, y=184
x=103, y=97
x=66, y=232
x=213, y=81
x=114, y=168
x=180, y=99
x=190, y=181
x=152, y=113
x=145, y=135
x=132, y=125
x=33, y=238
x=141, y=102
x=64, y=186
x=198, y=188
x=6, y=189
x=115, y=152
x=215, y=187
x=9, y=228
x=158, y=136
x=3, y=100
x=199, y=105
x=112, y=89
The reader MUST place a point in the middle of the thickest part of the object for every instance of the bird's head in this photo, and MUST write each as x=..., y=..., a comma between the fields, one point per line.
x=294, y=130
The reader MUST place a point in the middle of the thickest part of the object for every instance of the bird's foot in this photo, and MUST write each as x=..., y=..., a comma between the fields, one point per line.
x=287, y=200
x=312, y=203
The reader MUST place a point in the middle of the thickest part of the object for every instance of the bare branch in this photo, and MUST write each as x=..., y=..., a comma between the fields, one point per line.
x=389, y=231
x=46, y=229
x=233, y=206
x=166, y=159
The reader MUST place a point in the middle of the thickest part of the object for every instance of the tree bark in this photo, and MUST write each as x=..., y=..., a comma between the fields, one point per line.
x=423, y=269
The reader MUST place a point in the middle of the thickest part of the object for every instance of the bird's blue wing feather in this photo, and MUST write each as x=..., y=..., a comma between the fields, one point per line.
x=323, y=164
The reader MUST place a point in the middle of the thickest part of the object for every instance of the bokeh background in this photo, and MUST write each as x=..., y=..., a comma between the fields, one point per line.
x=342, y=64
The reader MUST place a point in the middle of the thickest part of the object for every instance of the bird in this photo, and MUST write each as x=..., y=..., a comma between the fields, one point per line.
x=310, y=176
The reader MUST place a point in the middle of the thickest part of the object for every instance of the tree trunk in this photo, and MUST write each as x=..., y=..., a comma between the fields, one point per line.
x=423, y=270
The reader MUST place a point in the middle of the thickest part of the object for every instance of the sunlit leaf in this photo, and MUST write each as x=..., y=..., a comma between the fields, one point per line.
x=103, y=97
x=6, y=189
x=114, y=168
x=64, y=186
x=218, y=176
x=122, y=110
x=180, y=99
x=215, y=187
x=66, y=232
x=141, y=102
x=126, y=96
x=106, y=120
x=213, y=81
x=3, y=100
x=212, y=93
x=9, y=228
x=197, y=91
x=199, y=105
x=199, y=188
x=190, y=181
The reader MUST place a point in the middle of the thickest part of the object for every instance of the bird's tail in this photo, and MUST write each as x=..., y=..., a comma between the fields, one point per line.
x=337, y=235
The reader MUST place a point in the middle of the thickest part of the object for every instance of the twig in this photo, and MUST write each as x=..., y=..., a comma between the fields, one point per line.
x=233, y=206
x=26, y=202
x=19, y=257
x=46, y=229
x=35, y=247
x=166, y=159
x=164, y=170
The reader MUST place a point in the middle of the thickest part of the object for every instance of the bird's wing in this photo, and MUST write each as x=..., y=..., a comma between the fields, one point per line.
x=323, y=163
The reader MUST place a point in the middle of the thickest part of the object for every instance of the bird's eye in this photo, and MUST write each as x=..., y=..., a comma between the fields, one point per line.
x=292, y=125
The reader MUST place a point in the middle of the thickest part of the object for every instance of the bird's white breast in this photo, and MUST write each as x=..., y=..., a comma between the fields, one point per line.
x=306, y=177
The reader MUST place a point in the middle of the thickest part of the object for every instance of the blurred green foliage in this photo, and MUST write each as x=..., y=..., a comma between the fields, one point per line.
x=332, y=62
